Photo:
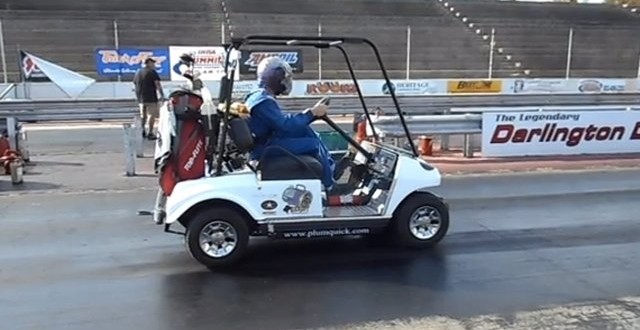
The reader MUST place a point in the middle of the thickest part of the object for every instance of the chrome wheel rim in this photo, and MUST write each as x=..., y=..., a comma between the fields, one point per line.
x=425, y=222
x=218, y=239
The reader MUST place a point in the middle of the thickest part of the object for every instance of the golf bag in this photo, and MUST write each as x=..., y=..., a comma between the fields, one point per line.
x=185, y=159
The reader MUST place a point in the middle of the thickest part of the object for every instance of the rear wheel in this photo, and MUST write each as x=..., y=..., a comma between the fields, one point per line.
x=217, y=237
x=422, y=221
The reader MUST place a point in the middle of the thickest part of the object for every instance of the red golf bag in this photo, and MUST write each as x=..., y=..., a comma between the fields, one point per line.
x=186, y=160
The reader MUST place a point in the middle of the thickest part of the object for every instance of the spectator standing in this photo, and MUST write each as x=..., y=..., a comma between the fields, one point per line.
x=147, y=86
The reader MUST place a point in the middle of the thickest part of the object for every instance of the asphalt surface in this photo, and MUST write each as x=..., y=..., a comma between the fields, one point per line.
x=517, y=244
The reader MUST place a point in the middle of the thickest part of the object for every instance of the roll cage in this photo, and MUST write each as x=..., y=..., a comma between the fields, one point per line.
x=230, y=67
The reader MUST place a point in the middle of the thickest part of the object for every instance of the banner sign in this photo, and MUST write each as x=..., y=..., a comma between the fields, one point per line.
x=30, y=70
x=209, y=61
x=249, y=59
x=539, y=86
x=411, y=87
x=602, y=86
x=127, y=61
x=560, y=133
x=331, y=88
x=474, y=86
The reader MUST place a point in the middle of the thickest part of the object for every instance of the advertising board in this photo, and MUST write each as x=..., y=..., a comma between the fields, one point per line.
x=249, y=59
x=602, y=86
x=474, y=86
x=412, y=87
x=127, y=61
x=336, y=87
x=538, y=86
x=209, y=61
x=560, y=133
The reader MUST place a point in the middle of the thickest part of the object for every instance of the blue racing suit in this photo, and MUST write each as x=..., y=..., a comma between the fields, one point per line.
x=270, y=126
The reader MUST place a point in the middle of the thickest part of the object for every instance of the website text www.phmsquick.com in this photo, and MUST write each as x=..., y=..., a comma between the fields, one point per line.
x=325, y=233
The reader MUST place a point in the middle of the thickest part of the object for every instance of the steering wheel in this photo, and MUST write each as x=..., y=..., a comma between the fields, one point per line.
x=326, y=101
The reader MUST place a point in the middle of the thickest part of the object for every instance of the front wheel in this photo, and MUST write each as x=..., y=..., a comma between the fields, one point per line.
x=217, y=237
x=422, y=221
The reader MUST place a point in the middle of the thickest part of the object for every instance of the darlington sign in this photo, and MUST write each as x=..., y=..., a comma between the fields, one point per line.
x=560, y=133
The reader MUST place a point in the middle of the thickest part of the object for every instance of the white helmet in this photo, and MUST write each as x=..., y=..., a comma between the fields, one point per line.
x=275, y=74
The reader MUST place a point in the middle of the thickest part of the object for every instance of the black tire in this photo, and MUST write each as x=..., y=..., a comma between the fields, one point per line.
x=403, y=219
x=221, y=216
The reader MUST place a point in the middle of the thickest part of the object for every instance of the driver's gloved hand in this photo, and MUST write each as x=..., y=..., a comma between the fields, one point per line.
x=319, y=110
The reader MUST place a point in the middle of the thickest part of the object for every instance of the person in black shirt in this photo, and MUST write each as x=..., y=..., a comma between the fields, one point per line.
x=147, y=85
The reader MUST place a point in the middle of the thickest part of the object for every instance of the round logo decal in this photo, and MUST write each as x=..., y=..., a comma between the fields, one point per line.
x=269, y=205
x=590, y=86
x=386, y=90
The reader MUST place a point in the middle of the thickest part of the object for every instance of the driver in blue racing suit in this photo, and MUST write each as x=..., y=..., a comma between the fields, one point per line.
x=270, y=126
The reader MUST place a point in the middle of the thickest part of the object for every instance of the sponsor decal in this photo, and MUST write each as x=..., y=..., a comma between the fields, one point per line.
x=540, y=133
x=474, y=86
x=194, y=154
x=269, y=205
x=590, y=86
x=328, y=87
x=600, y=86
x=410, y=88
x=326, y=232
x=297, y=199
x=250, y=59
x=209, y=61
x=127, y=61
x=539, y=85
x=30, y=70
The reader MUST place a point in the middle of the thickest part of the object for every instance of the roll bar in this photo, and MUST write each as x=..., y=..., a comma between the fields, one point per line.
x=324, y=42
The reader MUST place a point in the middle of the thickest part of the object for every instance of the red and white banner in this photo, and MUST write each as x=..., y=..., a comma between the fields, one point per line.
x=560, y=133
x=209, y=61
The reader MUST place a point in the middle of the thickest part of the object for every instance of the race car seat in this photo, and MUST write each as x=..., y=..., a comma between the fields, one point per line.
x=288, y=166
x=281, y=163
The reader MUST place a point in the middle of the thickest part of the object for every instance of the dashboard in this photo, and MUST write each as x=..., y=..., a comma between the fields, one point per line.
x=384, y=161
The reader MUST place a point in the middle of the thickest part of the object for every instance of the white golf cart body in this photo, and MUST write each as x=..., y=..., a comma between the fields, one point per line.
x=388, y=189
x=283, y=201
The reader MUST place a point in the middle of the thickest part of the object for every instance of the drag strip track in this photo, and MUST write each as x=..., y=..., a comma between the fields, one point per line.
x=86, y=261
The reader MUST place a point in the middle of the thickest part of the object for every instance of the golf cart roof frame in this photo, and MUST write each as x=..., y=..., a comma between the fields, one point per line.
x=319, y=43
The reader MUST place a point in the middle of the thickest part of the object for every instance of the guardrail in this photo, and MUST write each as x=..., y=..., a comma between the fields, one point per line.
x=125, y=109
x=7, y=90
x=391, y=127
x=16, y=134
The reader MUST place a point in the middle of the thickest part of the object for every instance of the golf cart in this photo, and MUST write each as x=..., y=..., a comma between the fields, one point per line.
x=387, y=191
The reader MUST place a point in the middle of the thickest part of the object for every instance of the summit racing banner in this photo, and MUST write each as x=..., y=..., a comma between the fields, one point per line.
x=249, y=59
x=209, y=61
x=560, y=133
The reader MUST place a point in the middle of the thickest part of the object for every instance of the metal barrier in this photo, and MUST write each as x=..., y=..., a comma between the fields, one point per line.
x=133, y=144
x=467, y=124
x=16, y=134
x=8, y=90
x=124, y=109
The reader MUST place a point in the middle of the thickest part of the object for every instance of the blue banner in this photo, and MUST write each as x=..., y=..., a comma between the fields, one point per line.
x=127, y=61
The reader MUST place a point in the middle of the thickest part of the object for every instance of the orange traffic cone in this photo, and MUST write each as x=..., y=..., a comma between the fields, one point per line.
x=362, y=131
x=426, y=146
